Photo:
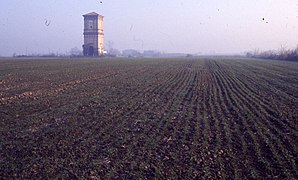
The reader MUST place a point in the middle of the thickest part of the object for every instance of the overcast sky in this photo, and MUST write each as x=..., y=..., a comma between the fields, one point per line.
x=188, y=26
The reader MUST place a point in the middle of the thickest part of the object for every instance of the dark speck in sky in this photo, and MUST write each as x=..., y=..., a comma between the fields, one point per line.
x=47, y=23
x=264, y=20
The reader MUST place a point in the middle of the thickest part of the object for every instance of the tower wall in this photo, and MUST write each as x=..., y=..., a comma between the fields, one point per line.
x=93, y=35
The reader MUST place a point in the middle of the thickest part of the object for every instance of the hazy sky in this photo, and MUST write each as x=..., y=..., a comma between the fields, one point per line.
x=189, y=26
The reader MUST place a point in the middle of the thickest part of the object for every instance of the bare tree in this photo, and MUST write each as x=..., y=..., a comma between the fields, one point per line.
x=281, y=54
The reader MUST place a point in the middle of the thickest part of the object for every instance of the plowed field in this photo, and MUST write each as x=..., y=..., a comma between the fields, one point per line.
x=206, y=118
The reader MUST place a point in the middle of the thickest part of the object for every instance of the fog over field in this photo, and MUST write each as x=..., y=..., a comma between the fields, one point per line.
x=193, y=26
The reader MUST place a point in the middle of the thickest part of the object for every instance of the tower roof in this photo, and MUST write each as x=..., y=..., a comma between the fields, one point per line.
x=92, y=14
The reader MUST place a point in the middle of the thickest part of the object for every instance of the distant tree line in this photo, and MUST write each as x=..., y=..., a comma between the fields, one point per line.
x=74, y=52
x=282, y=54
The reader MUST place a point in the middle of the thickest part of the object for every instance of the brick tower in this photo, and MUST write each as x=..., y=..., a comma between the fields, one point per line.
x=93, y=35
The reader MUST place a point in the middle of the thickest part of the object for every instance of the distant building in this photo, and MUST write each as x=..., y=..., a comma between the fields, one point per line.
x=131, y=53
x=93, y=35
x=151, y=53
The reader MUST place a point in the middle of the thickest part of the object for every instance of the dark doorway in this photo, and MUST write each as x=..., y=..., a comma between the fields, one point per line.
x=91, y=51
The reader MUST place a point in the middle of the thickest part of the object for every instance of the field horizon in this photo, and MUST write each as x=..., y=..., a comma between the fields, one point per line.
x=199, y=117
